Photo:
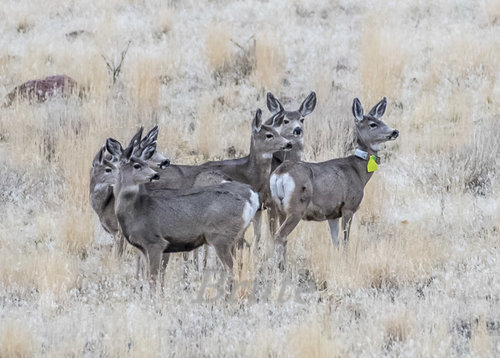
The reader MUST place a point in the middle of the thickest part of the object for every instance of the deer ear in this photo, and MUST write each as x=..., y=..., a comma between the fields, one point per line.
x=114, y=148
x=357, y=110
x=148, y=152
x=276, y=120
x=136, y=137
x=379, y=109
x=150, y=138
x=273, y=104
x=127, y=153
x=257, y=121
x=109, y=164
x=99, y=157
x=308, y=105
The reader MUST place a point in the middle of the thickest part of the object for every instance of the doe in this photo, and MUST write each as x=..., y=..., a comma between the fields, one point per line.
x=333, y=189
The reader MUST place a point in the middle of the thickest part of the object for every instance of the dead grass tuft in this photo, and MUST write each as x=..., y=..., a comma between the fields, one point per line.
x=75, y=231
x=398, y=328
x=164, y=22
x=311, y=339
x=54, y=272
x=481, y=343
x=423, y=248
x=383, y=60
x=461, y=58
x=269, y=61
x=16, y=339
x=218, y=46
x=144, y=80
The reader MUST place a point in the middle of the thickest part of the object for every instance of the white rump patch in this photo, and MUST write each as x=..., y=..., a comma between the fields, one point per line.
x=282, y=187
x=250, y=208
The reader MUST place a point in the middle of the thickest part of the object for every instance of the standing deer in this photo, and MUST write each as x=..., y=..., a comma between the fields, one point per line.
x=102, y=199
x=332, y=189
x=290, y=127
x=102, y=180
x=254, y=169
x=158, y=222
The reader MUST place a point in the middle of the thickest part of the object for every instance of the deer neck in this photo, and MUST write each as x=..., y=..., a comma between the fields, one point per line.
x=362, y=155
x=101, y=196
x=293, y=155
x=259, y=167
x=126, y=194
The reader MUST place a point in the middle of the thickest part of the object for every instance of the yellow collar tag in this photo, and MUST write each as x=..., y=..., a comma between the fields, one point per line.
x=372, y=164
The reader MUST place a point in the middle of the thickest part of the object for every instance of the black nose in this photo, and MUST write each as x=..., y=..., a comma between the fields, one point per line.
x=155, y=177
x=395, y=134
x=288, y=145
x=297, y=131
x=164, y=164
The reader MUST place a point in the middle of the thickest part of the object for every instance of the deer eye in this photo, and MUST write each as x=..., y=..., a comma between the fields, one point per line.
x=269, y=136
x=373, y=125
x=107, y=170
x=137, y=166
x=302, y=120
x=286, y=121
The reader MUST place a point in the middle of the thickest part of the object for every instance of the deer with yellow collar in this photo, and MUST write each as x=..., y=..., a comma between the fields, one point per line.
x=333, y=189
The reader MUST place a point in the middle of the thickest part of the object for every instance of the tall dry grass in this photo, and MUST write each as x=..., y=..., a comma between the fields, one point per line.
x=420, y=276
x=269, y=61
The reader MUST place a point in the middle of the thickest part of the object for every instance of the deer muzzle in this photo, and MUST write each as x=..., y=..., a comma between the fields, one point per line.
x=394, y=135
x=288, y=146
x=297, y=131
x=155, y=177
x=165, y=163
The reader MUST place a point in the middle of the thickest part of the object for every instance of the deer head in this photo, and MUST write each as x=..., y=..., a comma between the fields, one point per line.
x=370, y=130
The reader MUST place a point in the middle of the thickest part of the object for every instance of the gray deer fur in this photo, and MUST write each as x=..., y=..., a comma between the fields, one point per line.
x=329, y=190
x=291, y=126
x=253, y=169
x=101, y=183
x=158, y=222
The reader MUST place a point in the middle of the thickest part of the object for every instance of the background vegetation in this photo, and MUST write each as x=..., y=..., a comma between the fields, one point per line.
x=422, y=274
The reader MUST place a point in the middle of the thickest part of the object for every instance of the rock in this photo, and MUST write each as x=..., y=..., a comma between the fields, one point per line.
x=43, y=89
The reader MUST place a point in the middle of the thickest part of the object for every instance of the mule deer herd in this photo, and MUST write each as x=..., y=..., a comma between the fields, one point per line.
x=162, y=208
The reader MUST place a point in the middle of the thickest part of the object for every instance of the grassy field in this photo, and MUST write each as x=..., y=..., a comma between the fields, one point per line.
x=421, y=277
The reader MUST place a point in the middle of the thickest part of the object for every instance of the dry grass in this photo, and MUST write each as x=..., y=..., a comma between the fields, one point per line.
x=420, y=276
x=384, y=55
x=209, y=130
x=16, y=340
x=218, y=45
x=269, y=61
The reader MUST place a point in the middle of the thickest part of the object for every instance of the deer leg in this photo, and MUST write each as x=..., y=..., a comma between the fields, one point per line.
x=120, y=245
x=196, y=254
x=164, y=261
x=185, y=269
x=334, y=231
x=281, y=237
x=225, y=252
x=346, y=224
x=156, y=260
x=274, y=219
x=282, y=218
x=142, y=262
x=257, y=220
x=205, y=256
x=139, y=270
